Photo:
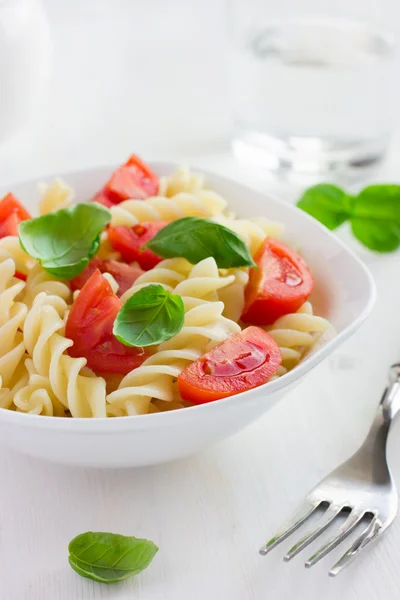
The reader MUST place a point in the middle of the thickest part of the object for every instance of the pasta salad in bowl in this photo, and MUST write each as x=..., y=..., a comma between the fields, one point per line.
x=144, y=315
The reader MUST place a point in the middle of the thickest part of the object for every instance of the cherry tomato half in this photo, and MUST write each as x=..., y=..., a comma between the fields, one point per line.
x=245, y=361
x=129, y=241
x=279, y=285
x=90, y=326
x=11, y=214
x=132, y=180
x=124, y=274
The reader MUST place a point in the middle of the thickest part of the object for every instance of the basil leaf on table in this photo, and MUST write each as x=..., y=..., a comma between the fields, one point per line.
x=195, y=239
x=64, y=241
x=375, y=234
x=374, y=214
x=327, y=203
x=109, y=557
x=151, y=316
x=376, y=217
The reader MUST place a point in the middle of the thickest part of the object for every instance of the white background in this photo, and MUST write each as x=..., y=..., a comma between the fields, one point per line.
x=150, y=77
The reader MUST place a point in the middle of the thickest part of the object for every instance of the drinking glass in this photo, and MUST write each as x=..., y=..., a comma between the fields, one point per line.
x=310, y=95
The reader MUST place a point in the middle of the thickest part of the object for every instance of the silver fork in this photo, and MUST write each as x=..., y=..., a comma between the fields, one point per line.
x=362, y=487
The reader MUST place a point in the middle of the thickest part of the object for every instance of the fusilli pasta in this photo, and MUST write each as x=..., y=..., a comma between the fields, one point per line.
x=38, y=281
x=204, y=203
x=296, y=334
x=12, y=316
x=182, y=180
x=54, y=195
x=37, y=374
x=167, y=273
x=204, y=326
x=252, y=231
x=56, y=381
x=23, y=262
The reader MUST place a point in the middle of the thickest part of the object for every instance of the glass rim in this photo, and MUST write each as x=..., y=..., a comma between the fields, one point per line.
x=342, y=23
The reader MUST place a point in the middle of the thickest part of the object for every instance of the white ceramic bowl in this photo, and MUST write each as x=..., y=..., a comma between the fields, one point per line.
x=344, y=293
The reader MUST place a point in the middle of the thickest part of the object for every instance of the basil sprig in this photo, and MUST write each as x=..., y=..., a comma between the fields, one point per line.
x=64, y=241
x=151, y=316
x=195, y=239
x=373, y=214
x=109, y=557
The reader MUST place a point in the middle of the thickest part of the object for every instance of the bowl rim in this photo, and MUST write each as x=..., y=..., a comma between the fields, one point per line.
x=164, y=419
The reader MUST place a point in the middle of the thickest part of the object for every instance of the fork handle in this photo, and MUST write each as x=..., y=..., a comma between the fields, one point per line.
x=390, y=403
x=373, y=450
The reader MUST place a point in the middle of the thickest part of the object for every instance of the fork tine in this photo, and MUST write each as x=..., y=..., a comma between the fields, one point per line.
x=352, y=520
x=289, y=527
x=323, y=523
x=370, y=533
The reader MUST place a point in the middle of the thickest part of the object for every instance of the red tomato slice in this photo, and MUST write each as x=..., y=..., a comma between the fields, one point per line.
x=133, y=180
x=129, y=240
x=279, y=286
x=102, y=198
x=11, y=214
x=90, y=324
x=146, y=178
x=245, y=361
x=20, y=275
x=9, y=204
x=10, y=225
x=124, y=274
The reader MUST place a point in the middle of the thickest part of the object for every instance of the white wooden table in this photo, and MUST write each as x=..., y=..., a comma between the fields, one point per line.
x=209, y=513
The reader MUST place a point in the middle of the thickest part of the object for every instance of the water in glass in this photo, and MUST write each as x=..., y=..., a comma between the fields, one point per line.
x=312, y=96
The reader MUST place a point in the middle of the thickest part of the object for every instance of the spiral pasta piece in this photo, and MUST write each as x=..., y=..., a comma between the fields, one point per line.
x=167, y=273
x=54, y=196
x=204, y=203
x=296, y=334
x=57, y=378
x=252, y=231
x=233, y=294
x=38, y=281
x=7, y=395
x=12, y=316
x=11, y=246
x=36, y=397
x=182, y=180
x=106, y=251
x=204, y=326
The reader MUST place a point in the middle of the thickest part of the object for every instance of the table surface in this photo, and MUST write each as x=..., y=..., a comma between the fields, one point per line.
x=208, y=513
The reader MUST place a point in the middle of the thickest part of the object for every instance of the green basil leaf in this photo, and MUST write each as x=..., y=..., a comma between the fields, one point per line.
x=109, y=557
x=195, y=239
x=327, y=203
x=98, y=573
x=377, y=234
x=376, y=217
x=378, y=202
x=151, y=316
x=64, y=241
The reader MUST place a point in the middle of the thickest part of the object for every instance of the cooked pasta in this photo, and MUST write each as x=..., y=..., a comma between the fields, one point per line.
x=204, y=203
x=168, y=273
x=233, y=294
x=12, y=316
x=253, y=231
x=23, y=262
x=216, y=325
x=7, y=395
x=204, y=326
x=106, y=251
x=54, y=195
x=56, y=383
x=182, y=180
x=38, y=281
x=297, y=333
